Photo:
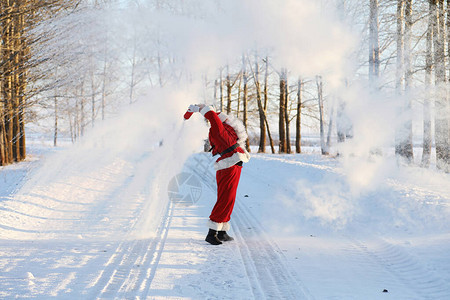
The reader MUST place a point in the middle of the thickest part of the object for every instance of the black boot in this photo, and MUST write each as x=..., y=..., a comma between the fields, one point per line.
x=223, y=236
x=212, y=237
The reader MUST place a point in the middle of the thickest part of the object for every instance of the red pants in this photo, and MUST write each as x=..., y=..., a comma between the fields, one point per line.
x=227, y=184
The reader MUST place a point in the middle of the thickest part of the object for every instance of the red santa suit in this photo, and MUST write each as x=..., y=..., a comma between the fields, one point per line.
x=225, y=136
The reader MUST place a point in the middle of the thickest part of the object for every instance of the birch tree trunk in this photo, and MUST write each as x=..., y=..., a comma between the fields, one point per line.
x=238, y=100
x=400, y=46
x=93, y=92
x=340, y=116
x=408, y=144
x=330, y=127
x=71, y=124
x=228, y=80
x=323, y=146
x=76, y=121
x=245, y=113
x=441, y=102
x=245, y=96
x=262, y=116
x=104, y=81
x=427, y=140
x=216, y=84
x=374, y=48
x=298, y=124
x=404, y=145
x=266, y=99
x=221, y=91
x=104, y=87
x=343, y=122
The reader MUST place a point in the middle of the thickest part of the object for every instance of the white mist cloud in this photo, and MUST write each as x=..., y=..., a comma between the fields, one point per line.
x=329, y=201
x=150, y=138
x=297, y=34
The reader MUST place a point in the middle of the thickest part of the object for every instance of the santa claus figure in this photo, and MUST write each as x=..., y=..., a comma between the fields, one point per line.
x=227, y=136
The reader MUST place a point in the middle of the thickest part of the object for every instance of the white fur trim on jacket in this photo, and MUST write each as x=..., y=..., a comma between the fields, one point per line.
x=223, y=117
x=239, y=128
x=225, y=226
x=205, y=109
x=232, y=160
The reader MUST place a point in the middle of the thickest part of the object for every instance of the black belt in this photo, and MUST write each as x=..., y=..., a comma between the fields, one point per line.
x=228, y=150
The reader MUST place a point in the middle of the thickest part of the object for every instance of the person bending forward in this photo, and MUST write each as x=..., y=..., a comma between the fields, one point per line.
x=226, y=135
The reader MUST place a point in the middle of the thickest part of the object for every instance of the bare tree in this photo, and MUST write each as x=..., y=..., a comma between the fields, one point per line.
x=442, y=100
x=221, y=90
x=404, y=146
x=262, y=113
x=245, y=102
x=323, y=145
x=427, y=139
x=17, y=20
x=286, y=113
x=330, y=126
x=229, y=86
x=400, y=46
x=298, y=124
x=374, y=47
x=266, y=99
x=282, y=114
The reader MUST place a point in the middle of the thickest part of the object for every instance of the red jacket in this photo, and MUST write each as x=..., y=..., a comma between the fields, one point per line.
x=221, y=137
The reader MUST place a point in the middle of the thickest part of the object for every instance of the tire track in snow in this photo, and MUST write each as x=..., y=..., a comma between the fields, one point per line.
x=156, y=258
x=130, y=270
x=119, y=267
x=382, y=263
x=405, y=269
x=267, y=271
x=269, y=275
x=149, y=264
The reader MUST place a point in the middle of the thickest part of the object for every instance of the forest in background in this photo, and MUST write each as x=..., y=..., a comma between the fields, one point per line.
x=66, y=65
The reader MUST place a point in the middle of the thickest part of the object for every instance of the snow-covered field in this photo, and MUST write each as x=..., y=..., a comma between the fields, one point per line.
x=305, y=227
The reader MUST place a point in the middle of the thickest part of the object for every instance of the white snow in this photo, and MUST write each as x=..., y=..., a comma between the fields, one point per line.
x=85, y=223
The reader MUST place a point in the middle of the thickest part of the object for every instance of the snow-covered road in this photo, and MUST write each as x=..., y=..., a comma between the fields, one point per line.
x=302, y=231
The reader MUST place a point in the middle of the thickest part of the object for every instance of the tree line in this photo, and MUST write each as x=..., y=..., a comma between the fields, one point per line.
x=422, y=47
x=79, y=67
x=262, y=95
x=409, y=47
x=18, y=19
